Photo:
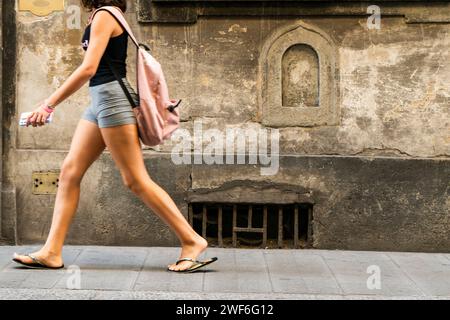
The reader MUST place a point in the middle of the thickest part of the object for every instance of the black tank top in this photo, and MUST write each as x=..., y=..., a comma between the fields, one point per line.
x=117, y=51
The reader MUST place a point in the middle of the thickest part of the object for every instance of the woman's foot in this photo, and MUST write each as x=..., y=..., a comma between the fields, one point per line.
x=50, y=260
x=192, y=250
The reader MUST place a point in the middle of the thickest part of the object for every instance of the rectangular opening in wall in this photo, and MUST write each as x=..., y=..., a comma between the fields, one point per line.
x=253, y=225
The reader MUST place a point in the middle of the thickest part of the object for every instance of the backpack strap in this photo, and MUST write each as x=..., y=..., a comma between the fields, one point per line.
x=118, y=15
x=119, y=79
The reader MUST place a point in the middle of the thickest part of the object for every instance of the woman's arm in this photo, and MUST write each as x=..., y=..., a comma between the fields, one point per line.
x=102, y=28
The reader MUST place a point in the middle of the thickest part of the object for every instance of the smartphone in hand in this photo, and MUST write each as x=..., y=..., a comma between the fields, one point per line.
x=24, y=116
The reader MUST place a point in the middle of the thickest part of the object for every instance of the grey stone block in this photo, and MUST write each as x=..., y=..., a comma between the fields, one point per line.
x=237, y=271
x=352, y=273
x=115, y=258
x=155, y=277
x=428, y=271
x=12, y=279
x=317, y=276
x=101, y=280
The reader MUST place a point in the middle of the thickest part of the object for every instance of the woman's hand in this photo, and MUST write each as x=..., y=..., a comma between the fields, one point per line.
x=38, y=116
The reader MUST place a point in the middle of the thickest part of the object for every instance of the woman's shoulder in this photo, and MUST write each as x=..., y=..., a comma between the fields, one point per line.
x=104, y=21
x=102, y=15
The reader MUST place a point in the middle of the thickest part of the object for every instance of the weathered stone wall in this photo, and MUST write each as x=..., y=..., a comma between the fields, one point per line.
x=1, y=116
x=8, y=213
x=373, y=157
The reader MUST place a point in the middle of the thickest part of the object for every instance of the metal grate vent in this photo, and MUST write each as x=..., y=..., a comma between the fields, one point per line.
x=253, y=225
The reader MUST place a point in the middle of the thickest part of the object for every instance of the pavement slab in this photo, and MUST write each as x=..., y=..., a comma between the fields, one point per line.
x=97, y=272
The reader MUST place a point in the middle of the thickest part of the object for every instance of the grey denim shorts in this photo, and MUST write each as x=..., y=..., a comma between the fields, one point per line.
x=109, y=105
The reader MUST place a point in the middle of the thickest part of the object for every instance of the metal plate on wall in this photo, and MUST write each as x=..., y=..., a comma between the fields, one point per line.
x=45, y=182
x=41, y=7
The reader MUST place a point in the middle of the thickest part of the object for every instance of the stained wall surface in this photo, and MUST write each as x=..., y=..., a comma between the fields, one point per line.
x=362, y=116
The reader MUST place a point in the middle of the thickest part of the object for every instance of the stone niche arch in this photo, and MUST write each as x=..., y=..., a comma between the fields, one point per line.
x=298, y=76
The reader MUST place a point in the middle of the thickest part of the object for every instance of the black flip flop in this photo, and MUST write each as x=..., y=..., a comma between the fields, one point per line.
x=195, y=264
x=36, y=264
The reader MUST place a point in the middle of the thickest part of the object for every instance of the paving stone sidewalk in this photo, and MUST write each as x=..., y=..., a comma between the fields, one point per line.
x=139, y=273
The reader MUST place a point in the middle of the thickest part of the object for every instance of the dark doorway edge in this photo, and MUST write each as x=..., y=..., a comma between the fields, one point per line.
x=8, y=110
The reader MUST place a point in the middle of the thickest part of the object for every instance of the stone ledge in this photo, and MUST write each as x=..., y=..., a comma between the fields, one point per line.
x=294, y=1
x=188, y=11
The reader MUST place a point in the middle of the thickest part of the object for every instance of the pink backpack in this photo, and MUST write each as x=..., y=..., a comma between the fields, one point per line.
x=157, y=116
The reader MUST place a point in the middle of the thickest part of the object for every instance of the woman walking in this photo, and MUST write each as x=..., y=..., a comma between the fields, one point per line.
x=108, y=122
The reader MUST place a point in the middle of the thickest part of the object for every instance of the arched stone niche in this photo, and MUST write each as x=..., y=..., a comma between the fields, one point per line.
x=299, y=78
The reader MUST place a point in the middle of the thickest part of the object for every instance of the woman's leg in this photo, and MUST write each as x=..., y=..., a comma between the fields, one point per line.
x=123, y=143
x=86, y=146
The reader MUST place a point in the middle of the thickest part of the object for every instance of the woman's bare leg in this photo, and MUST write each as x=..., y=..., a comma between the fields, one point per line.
x=123, y=143
x=86, y=146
